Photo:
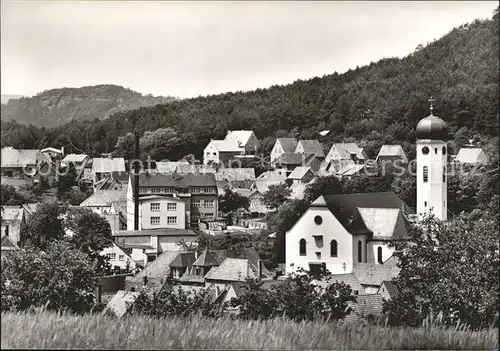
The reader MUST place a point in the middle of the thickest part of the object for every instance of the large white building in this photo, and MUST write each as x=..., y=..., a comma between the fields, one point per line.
x=342, y=232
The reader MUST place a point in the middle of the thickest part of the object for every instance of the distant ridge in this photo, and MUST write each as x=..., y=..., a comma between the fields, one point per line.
x=59, y=106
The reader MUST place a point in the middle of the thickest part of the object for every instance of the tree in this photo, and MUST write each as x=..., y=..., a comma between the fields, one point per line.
x=58, y=278
x=9, y=196
x=449, y=269
x=91, y=234
x=44, y=226
x=231, y=201
x=329, y=185
x=67, y=178
x=276, y=195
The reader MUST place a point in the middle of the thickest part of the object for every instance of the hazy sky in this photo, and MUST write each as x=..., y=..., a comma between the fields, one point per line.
x=188, y=49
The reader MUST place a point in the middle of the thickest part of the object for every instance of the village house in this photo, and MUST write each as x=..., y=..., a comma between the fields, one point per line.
x=51, y=153
x=120, y=258
x=115, y=181
x=106, y=201
x=236, y=143
x=7, y=245
x=283, y=145
x=22, y=162
x=182, y=263
x=388, y=290
x=390, y=154
x=80, y=161
x=235, y=177
x=310, y=147
x=147, y=244
x=289, y=161
x=102, y=167
x=173, y=200
x=342, y=155
x=301, y=175
x=169, y=166
x=471, y=156
x=13, y=219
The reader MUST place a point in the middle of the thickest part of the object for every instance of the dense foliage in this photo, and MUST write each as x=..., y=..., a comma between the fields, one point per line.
x=379, y=103
x=451, y=270
x=276, y=195
x=58, y=277
x=58, y=106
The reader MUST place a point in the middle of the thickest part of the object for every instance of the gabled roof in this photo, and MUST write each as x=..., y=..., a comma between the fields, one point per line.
x=262, y=185
x=121, y=302
x=240, y=136
x=384, y=223
x=53, y=149
x=195, y=169
x=311, y=147
x=277, y=174
x=12, y=213
x=107, y=165
x=227, y=145
x=8, y=243
x=177, y=180
x=105, y=198
x=374, y=274
x=470, y=155
x=207, y=259
x=345, y=150
x=350, y=170
x=299, y=172
x=74, y=158
x=237, y=174
x=287, y=144
x=391, y=288
x=364, y=306
x=233, y=269
x=390, y=150
x=11, y=157
x=345, y=208
x=288, y=158
x=348, y=279
x=31, y=207
x=183, y=259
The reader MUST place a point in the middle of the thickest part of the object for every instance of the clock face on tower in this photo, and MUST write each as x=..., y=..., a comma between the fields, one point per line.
x=425, y=150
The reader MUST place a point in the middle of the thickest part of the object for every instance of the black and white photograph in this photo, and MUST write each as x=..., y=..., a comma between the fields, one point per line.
x=250, y=175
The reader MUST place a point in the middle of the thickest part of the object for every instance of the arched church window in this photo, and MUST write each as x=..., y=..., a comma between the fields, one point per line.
x=444, y=174
x=425, y=150
x=436, y=150
x=333, y=248
x=360, y=252
x=379, y=255
x=425, y=174
x=302, y=247
x=444, y=150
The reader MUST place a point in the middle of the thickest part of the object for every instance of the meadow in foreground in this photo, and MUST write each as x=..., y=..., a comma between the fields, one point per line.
x=51, y=330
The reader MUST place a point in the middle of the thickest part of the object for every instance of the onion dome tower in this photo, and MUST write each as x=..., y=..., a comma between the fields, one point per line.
x=432, y=155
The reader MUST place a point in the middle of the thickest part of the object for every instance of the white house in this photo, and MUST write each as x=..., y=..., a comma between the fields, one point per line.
x=78, y=160
x=283, y=145
x=106, y=201
x=236, y=143
x=118, y=257
x=339, y=231
x=471, y=156
x=102, y=167
x=245, y=139
x=391, y=153
x=310, y=147
x=342, y=155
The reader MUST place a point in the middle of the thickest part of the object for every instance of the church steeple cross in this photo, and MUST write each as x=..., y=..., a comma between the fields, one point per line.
x=431, y=100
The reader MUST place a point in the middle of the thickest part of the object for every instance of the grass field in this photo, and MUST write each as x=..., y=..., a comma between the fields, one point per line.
x=49, y=330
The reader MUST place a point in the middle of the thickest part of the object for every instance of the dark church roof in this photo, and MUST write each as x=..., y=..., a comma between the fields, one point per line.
x=432, y=127
x=346, y=208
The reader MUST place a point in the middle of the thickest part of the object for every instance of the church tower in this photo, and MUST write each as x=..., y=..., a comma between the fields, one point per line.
x=432, y=154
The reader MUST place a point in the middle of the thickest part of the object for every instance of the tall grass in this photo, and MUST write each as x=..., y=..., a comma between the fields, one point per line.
x=51, y=330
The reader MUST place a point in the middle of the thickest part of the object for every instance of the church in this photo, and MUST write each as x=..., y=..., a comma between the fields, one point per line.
x=339, y=232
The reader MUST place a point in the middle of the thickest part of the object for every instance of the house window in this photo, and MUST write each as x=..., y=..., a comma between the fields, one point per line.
x=425, y=203
x=196, y=203
x=155, y=220
x=121, y=257
x=444, y=174
x=207, y=190
x=208, y=214
x=379, y=255
x=156, y=190
x=171, y=206
x=209, y=203
x=154, y=207
x=444, y=150
x=111, y=256
x=169, y=190
x=333, y=248
x=318, y=220
x=215, y=153
x=142, y=190
x=195, y=190
x=7, y=230
x=195, y=217
x=171, y=220
x=360, y=251
x=197, y=271
x=302, y=247
x=426, y=174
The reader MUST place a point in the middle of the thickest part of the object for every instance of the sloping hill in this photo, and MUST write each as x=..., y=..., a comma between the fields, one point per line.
x=59, y=106
x=7, y=97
